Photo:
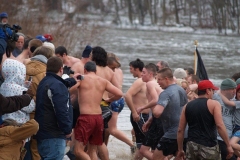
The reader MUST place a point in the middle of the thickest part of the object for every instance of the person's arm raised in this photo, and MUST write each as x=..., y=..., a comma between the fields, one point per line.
x=14, y=103
x=227, y=101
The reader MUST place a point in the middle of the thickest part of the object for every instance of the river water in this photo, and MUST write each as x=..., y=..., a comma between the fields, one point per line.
x=220, y=54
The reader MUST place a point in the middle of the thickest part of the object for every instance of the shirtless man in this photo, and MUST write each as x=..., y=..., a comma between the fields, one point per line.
x=117, y=106
x=135, y=98
x=155, y=126
x=78, y=67
x=68, y=61
x=89, y=127
x=99, y=56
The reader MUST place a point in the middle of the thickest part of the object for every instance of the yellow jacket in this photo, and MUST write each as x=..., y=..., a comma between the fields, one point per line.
x=11, y=139
x=37, y=70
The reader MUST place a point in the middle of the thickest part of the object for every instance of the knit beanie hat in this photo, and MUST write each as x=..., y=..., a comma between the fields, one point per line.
x=87, y=51
x=238, y=81
x=228, y=84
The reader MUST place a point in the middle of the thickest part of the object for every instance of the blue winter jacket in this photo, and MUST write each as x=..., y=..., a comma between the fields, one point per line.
x=53, y=109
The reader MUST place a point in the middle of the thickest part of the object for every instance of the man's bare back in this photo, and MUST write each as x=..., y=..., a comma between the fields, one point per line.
x=118, y=73
x=90, y=92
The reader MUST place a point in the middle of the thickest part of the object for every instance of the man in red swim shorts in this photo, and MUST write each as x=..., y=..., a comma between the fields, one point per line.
x=89, y=126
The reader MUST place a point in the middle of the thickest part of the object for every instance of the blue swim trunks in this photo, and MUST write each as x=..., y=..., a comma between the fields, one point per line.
x=237, y=134
x=118, y=105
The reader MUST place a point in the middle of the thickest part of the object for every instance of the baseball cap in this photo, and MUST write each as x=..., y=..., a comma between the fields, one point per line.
x=41, y=38
x=49, y=37
x=206, y=84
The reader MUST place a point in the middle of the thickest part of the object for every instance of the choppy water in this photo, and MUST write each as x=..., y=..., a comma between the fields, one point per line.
x=220, y=54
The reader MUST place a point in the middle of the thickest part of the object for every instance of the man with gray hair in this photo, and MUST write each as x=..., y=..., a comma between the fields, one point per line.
x=228, y=89
x=19, y=45
x=162, y=64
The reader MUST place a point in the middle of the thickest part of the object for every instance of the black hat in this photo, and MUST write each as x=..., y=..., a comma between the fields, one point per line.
x=87, y=51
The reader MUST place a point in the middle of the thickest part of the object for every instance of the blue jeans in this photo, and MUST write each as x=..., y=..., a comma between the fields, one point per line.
x=51, y=149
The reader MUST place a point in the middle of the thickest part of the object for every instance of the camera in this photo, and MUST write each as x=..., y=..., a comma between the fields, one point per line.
x=80, y=77
x=11, y=32
x=71, y=71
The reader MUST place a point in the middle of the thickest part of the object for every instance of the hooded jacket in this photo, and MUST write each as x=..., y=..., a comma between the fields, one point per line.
x=36, y=68
x=11, y=138
x=14, y=73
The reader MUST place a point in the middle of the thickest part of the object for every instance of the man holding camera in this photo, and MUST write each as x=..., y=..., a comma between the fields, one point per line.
x=53, y=111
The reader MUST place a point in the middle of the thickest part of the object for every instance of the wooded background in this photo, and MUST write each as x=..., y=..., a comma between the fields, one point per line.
x=61, y=16
x=220, y=14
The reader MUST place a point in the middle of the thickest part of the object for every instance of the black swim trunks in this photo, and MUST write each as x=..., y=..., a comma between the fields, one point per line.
x=154, y=133
x=137, y=127
x=106, y=113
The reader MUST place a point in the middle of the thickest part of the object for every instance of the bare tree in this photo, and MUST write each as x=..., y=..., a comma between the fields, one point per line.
x=149, y=2
x=117, y=18
x=155, y=11
x=176, y=11
x=140, y=11
x=130, y=11
x=238, y=11
x=164, y=16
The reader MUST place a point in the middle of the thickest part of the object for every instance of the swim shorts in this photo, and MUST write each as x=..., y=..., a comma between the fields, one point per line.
x=154, y=133
x=89, y=128
x=118, y=105
x=137, y=127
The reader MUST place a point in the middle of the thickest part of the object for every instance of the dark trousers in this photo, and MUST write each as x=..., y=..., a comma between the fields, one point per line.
x=224, y=152
x=28, y=155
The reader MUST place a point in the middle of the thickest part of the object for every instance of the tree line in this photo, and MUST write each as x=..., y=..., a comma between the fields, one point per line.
x=215, y=14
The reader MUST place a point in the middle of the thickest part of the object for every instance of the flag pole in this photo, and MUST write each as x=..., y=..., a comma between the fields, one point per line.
x=195, y=57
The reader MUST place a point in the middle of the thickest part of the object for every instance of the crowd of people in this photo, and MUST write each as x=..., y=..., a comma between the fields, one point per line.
x=50, y=99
